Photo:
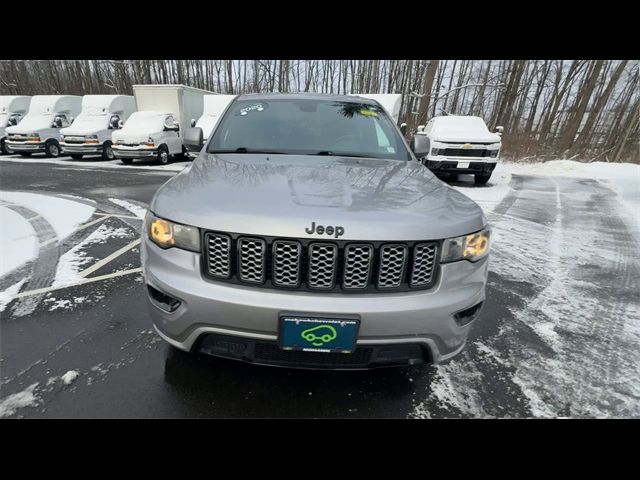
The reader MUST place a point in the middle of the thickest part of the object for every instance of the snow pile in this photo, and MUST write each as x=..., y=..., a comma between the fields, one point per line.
x=137, y=210
x=18, y=241
x=7, y=295
x=75, y=260
x=26, y=398
x=63, y=215
x=69, y=377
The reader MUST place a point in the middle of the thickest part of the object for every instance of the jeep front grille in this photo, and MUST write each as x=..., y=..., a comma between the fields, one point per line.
x=354, y=267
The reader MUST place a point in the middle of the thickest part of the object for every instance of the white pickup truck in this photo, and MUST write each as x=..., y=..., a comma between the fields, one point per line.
x=39, y=130
x=154, y=131
x=461, y=144
x=91, y=132
x=12, y=109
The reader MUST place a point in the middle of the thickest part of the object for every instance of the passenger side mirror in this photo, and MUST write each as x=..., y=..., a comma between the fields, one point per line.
x=14, y=119
x=421, y=128
x=193, y=139
x=193, y=122
x=403, y=128
x=57, y=122
x=174, y=127
x=420, y=144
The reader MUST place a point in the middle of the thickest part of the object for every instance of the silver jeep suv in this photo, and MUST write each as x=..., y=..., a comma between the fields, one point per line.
x=306, y=234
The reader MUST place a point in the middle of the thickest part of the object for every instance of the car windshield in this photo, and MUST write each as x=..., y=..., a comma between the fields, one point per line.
x=308, y=127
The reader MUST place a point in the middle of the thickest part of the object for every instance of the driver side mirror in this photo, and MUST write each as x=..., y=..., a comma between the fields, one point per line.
x=499, y=130
x=13, y=120
x=403, y=128
x=193, y=122
x=57, y=122
x=193, y=139
x=115, y=122
x=420, y=144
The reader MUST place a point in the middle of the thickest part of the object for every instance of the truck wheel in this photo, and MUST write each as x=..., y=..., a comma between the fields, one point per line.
x=107, y=151
x=481, y=178
x=52, y=149
x=126, y=161
x=4, y=149
x=25, y=154
x=163, y=155
x=76, y=156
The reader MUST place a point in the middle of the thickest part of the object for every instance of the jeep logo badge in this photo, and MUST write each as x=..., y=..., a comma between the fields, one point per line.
x=336, y=231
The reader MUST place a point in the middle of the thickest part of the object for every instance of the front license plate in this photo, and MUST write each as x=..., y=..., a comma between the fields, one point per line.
x=463, y=164
x=313, y=334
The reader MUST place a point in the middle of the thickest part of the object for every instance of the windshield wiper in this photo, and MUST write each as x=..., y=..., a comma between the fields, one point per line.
x=250, y=150
x=338, y=154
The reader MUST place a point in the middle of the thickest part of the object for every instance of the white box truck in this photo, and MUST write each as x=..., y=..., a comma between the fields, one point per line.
x=391, y=102
x=154, y=131
x=12, y=109
x=90, y=133
x=39, y=130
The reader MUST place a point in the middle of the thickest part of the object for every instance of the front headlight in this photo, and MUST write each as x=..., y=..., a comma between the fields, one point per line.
x=168, y=234
x=470, y=247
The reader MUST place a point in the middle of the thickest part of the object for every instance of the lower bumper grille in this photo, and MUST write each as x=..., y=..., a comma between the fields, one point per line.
x=344, y=266
x=270, y=353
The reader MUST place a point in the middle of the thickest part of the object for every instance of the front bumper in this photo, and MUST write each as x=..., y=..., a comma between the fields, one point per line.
x=451, y=164
x=85, y=149
x=424, y=318
x=134, y=152
x=31, y=147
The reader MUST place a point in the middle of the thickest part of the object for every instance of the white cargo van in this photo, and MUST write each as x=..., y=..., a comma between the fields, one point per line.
x=154, y=131
x=39, y=130
x=91, y=132
x=461, y=144
x=12, y=109
x=213, y=108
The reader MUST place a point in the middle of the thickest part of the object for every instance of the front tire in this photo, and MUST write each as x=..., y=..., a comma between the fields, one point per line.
x=4, y=149
x=76, y=156
x=52, y=149
x=481, y=178
x=107, y=151
x=163, y=155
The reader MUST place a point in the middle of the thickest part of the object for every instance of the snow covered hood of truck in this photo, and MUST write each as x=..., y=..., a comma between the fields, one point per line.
x=461, y=129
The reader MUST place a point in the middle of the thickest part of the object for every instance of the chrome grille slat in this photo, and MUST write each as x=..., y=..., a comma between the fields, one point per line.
x=357, y=266
x=251, y=259
x=424, y=263
x=286, y=263
x=218, y=255
x=323, y=262
x=393, y=260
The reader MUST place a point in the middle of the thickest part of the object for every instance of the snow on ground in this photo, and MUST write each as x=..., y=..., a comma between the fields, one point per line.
x=68, y=162
x=63, y=215
x=490, y=195
x=137, y=210
x=18, y=241
x=7, y=295
x=25, y=398
x=76, y=259
x=70, y=377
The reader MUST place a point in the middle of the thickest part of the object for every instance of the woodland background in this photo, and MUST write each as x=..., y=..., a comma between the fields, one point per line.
x=550, y=109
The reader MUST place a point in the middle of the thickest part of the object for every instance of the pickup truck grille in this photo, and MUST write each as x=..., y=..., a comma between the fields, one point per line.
x=461, y=152
x=356, y=267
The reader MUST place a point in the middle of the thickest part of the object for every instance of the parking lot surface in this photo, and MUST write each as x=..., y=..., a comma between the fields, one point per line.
x=558, y=336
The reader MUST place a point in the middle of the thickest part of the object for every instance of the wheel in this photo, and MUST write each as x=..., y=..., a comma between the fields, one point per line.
x=52, y=149
x=25, y=154
x=76, y=156
x=4, y=149
x=481, y=178
x=163, y=155
x=126, y=161
x=107, y=151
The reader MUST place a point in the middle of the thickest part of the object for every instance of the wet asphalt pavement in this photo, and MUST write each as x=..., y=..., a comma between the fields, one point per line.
x=558, y=335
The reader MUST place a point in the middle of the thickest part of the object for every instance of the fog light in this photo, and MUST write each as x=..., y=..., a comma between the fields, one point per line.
x=468, y=315
x=162, y=300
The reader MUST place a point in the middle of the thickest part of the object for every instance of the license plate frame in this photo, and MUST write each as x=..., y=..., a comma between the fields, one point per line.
x=324, y=334
x=463, y=165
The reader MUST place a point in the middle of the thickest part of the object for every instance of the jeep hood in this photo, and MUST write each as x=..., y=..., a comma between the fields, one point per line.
x=281, y=195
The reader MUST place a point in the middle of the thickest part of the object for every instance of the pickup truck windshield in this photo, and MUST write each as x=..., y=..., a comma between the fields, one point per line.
x=308, y=127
